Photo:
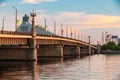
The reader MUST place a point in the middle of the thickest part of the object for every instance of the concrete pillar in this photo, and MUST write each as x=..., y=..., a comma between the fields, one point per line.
x=33, y=40
x=14, y=53
x=84, y=51
x=89, y=47
x=35, y=71
x=50, y=51
x=89, y=50
x=71, y=51
x=78, y=50
x=93, y=51
x=98, y=49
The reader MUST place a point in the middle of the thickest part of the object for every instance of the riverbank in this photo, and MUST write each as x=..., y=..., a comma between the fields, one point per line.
x=110, y=52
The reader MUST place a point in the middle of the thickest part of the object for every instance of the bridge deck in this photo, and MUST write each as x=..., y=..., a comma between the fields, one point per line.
x=22, y=39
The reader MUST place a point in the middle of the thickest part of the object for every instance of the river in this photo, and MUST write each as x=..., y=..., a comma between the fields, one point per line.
x=94, y=67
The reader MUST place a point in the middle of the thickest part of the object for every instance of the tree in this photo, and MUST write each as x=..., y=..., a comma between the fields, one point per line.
x=110, y=46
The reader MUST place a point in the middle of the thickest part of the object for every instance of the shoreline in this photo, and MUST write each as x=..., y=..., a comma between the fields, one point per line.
x=110, y=52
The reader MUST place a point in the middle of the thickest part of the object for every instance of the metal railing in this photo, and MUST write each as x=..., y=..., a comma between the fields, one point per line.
x=14, y=32
x=46, y=35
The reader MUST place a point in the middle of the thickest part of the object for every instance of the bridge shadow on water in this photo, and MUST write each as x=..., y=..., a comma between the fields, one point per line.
x=30, y=70
x=60, y=60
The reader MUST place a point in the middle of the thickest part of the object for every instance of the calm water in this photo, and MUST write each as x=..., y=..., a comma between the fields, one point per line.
x=95, y=67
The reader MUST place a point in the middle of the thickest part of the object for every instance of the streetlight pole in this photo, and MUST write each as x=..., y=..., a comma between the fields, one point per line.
x=3, y=21
x=89, y=48
x=89, y=39
x=61, y=29
x=78, y=35
x=66, y=31
x=81, y=37
x=15, y=18
x=55, y=27
x=75, y=32
x=71, y=32
x=45, y=26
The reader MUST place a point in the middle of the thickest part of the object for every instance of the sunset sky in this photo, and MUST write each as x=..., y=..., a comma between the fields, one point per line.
x=92, y=17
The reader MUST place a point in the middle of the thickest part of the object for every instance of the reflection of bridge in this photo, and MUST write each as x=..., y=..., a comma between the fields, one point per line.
x=24, y=46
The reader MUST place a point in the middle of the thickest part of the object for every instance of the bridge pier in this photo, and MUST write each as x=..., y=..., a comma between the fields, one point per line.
x=12, y=53
x=50, y=51
x=86, y=51
x=33, y=46
x=71, y=51
x=92, y=51
x=58, y=51
x=83, y=51
x=98, y=49
x=89, y=50
x=89, y=47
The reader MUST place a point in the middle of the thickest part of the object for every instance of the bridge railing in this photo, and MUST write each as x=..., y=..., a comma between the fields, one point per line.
x=57, y=36
x=28, y=33
x=14, y=32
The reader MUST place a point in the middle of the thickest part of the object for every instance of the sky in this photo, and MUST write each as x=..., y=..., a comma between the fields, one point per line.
x=91, y=17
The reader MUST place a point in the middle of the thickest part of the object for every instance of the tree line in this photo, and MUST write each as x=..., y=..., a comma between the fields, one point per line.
x=110, y=46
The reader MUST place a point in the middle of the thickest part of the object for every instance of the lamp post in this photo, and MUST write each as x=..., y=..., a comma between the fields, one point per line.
x=89, y=48
x=89, y=39
x=78, y=35
x=3, y=21
x=81, y=36
x=66, y=31
x=71, y=32
x=15, y=17
x=45, y=24
x=61, y=29
x=55, y=27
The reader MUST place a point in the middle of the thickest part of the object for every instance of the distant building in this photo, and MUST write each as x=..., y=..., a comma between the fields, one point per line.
x=118, y=40
x=115, y=39
x=26, y=26
x=110, y=37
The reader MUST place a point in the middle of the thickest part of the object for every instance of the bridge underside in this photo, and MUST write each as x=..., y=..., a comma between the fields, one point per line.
x=24, y=52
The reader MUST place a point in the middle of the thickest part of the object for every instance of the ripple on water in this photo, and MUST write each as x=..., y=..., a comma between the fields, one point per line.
x=95, y=67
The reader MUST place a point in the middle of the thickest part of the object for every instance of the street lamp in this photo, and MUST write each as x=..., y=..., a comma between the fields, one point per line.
x=66, y=31
x=71, y=32
x=55, y=27
x=3, y=21
x=89, y=39
x=15, y=17
x=45, y=26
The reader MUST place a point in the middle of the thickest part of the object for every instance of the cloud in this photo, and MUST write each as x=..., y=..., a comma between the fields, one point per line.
x=80, y=20
x=40, y=11
x=36, y=1
x=2, y=4
x=76, y=19
x=9, y=23
x=83, y=20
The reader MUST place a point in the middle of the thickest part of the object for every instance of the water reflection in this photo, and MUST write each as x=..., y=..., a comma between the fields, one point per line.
x=95, y=67
x=18, y=70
